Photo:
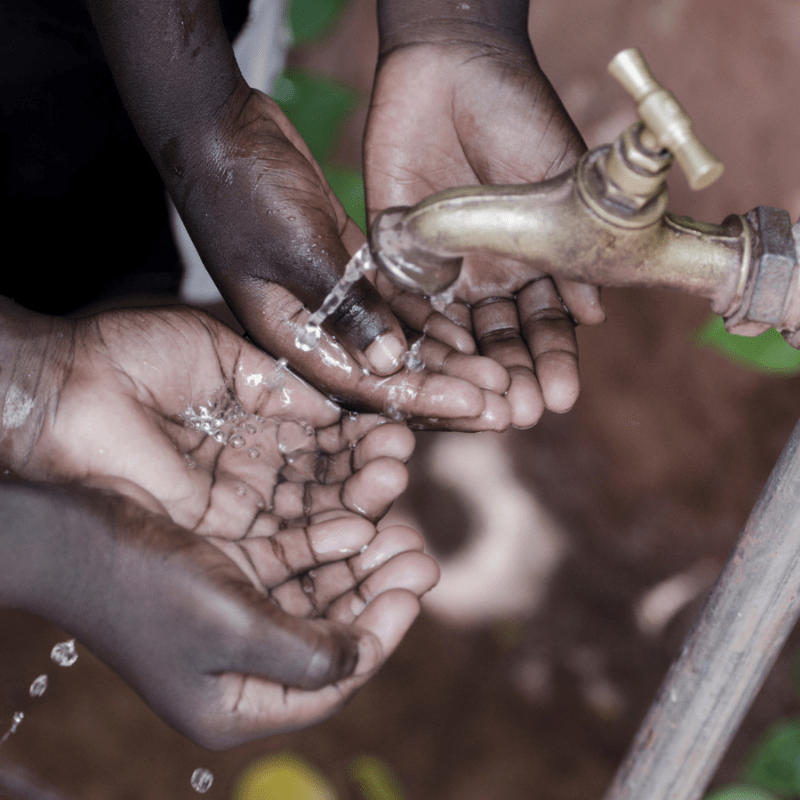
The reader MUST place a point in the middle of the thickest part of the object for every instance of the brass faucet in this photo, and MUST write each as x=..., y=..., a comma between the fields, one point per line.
x=604, y=222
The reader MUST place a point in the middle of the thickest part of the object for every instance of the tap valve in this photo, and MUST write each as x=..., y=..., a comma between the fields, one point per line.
x=666, y=124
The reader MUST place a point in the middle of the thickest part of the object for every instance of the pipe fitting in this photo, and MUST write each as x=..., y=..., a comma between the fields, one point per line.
x=767, y=300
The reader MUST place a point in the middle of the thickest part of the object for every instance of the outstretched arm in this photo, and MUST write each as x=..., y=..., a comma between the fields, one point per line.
x=459, y=99
x=257, y=206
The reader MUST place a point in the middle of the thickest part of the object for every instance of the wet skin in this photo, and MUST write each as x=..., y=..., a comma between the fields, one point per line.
x=459, y=99
x=276, y=239
x=239, y=595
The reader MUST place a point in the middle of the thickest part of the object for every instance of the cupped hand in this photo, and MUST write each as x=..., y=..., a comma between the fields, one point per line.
x=224, y=556
x=452, y=112
x=276, y=240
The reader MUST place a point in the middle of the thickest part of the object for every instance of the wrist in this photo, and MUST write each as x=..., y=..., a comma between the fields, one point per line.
x=493, y=23
x=35, y=351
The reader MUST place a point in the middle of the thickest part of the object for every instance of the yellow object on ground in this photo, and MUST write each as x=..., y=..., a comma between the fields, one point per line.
x=282, y=777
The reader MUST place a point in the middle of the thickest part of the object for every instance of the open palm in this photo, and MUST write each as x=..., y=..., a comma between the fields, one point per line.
x=451, y=114
x=234, y=511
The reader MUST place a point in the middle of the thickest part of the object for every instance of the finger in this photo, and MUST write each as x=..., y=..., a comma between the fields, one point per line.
x=232, y=507
x=497, y=329
x=426, y=394
x=551, y=339
x=583, y=301
x=350, y=430
x=362, y=322
x=480, y=371
x=369, y=492
x=496, y=416
x=257, y=637
x=288, y=553
x=258, y=707
x=270, y=389
x=390, y=440
x=331, y=368
x=375, y=487
x=411, y=570
x=418, y=313
x=309, y=595
x=389, y=542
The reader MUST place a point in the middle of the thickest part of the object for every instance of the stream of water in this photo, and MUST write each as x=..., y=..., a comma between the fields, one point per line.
x=309, y=335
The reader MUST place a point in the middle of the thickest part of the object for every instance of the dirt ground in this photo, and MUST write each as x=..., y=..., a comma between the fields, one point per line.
x=537, y=693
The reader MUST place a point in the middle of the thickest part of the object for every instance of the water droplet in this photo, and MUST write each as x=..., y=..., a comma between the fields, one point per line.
x=241, y=491
x=253, y=453
x=15, y=721
x=64, y=653
x=365, y=372
x=236, y=441
x=250, y=428
x=38, y=687
x=202, y=780
x=190, y=462
x=220, y=437
x=363, y=549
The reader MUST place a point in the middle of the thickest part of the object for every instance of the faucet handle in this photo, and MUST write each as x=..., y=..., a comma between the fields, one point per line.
x=665, y=119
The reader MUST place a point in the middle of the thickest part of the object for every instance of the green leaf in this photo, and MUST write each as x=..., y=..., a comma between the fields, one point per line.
x=768, y=353
x=316, y=106
x=740, y=793
x=310, y=18
x=375, y=779
x=775, y=763
x=348, y=186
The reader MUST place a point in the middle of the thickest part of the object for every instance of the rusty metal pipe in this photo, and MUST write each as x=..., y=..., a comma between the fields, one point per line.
x=726, y=656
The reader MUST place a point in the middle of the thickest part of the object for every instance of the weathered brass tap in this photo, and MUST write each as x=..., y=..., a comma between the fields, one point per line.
x=605, y=222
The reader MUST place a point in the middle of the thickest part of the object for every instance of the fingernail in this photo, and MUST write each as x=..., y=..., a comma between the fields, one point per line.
x=384, y=354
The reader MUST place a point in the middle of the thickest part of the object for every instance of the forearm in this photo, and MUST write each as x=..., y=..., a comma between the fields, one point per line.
x=177, y=75
x=401, y=22
x=31, y=516
x=35, y=352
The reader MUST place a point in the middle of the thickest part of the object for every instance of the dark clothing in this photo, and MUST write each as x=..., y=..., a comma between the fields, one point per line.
x=84, y=205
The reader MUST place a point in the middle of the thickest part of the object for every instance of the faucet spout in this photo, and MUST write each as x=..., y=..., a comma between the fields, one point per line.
x=604, y=222
x=563, y=227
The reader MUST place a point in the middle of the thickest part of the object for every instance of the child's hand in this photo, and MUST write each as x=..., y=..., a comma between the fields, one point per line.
x=455, y=106
x=217, y=544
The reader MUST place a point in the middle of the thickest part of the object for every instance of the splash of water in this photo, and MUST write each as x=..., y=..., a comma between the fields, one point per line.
x=15, y=721
x=400, y=395
x=443, y=299
x=309, y=335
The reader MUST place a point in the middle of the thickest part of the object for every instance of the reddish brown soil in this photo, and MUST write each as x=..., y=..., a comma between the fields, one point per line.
x=655, y=468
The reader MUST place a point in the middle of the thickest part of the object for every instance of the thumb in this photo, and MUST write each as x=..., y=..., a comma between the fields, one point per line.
x=354, y=311
x=302, y=653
